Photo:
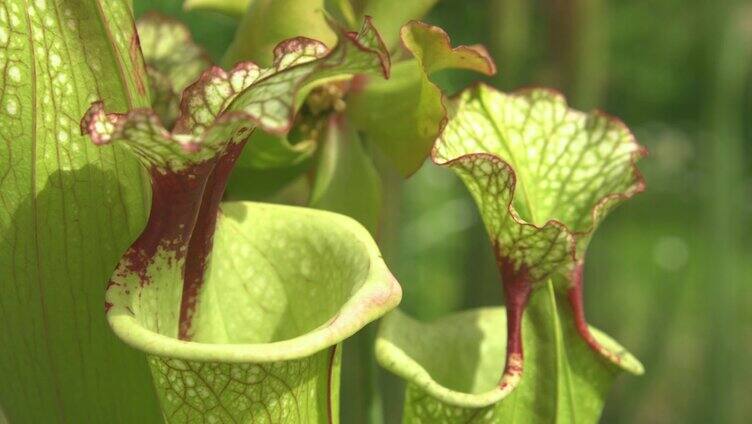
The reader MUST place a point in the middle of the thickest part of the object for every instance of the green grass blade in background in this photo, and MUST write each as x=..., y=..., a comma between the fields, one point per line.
x=725, y=166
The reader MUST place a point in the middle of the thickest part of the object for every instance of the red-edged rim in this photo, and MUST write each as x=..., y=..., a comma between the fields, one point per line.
x=213, y=72
x=446, y=40
x=638, y=185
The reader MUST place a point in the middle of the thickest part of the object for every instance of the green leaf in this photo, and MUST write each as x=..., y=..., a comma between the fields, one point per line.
x=68, y=212
x=234, y=8
x=452, y=366
x=299, y=17
x=411, y=104
x=390, y=15
x=432, y=48
x=287, y=185
x=173, y=61
x=343, y=165
x=286, y=286
x=268, y=22
x=543, y=176
x=266, y=151
x=211, y=30
x=168, y=48
x=343, y=11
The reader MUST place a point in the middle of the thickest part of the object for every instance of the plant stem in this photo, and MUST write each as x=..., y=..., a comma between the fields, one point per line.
x=576, y=45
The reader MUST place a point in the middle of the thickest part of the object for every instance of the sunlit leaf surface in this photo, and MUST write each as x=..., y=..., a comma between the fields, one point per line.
x=68, y=210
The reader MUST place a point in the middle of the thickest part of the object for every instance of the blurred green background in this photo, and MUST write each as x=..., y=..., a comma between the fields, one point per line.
x=668, y=272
